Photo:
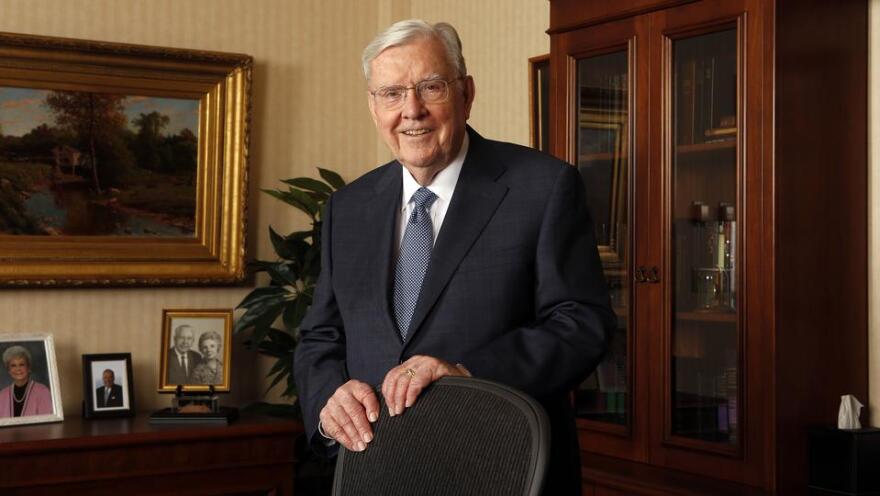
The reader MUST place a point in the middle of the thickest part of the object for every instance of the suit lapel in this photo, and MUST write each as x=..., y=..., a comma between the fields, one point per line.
x=475, y=200
x=381, y=217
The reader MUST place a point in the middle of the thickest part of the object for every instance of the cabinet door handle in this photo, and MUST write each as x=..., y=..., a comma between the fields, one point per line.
x=640, y=274
x=654, y=275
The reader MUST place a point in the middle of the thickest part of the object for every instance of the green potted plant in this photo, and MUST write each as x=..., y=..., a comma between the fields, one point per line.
x=292, y=278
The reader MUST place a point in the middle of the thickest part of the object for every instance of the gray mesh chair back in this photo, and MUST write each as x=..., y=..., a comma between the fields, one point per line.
x=463, y=436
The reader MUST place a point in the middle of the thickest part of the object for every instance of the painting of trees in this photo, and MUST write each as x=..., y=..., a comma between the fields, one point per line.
x=91, y=163
x=149, y=138
x=95, y=118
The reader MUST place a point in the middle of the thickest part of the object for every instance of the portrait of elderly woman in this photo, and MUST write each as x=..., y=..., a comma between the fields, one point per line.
x=24, y=396
x=210, y=370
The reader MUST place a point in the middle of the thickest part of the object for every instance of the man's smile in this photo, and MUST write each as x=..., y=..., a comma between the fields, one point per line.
x=416, y=132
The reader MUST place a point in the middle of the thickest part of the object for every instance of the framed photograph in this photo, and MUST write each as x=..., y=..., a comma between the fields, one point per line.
x=539, y=102
x=29, y=386
x=196, y=350
x=108, y=385
x=121, y=164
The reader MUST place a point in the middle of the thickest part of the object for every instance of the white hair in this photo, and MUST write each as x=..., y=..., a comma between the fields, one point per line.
x=16, y=352
x=181, y=328
x=405, y=32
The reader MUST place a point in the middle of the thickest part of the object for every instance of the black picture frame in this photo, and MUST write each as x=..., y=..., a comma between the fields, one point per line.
x=93, y=367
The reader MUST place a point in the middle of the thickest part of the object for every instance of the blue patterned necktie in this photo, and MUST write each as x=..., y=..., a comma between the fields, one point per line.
x=415, y=254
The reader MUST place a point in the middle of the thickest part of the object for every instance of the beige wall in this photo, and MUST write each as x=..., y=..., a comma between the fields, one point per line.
x=310, y=110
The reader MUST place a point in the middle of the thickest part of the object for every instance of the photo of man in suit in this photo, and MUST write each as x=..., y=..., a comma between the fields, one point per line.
x=110, y=394
x=462, y=257
x=182, y=359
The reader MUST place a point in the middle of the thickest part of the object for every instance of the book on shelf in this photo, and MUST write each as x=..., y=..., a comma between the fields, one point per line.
x=716, y=132
x=686, y=102
x=711, y=94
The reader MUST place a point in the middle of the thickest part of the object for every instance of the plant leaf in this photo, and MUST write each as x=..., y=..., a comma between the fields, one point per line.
x=281, y=364
x=305, y=199
x=283, y=338
x=277, y=346
x=299, y=235
x=292, y=199
x=262, y=296
x=275, y=381
x=291, y=387
x=293, y=314
x=260, y=316
x=309, y=184
x=259, y=265
x=332, y=178
x=279, y=243
x=282, y=273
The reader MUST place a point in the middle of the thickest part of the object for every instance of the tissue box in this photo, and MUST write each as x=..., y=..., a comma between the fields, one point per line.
x=845, y=462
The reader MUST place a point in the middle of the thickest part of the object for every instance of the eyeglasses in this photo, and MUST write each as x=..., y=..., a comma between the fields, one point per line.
x=428, y=91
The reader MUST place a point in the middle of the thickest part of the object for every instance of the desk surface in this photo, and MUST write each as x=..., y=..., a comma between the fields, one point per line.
x=78, y=433
x=132, y=456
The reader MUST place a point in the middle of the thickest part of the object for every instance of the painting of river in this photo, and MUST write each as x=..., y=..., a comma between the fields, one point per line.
x=94, y=164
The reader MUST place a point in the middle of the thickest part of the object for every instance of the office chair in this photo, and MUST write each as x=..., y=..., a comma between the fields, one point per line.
x=463, y=436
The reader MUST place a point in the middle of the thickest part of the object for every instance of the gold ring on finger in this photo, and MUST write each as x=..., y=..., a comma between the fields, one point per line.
x=411, y=373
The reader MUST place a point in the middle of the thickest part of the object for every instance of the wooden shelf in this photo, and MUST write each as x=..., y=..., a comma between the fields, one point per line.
x=596, y=157
x=706, y=316
x=706, y=147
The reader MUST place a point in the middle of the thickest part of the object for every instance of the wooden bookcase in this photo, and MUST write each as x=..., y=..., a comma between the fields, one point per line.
x=723, y=147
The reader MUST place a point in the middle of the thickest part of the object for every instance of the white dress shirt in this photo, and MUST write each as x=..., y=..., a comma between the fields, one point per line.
x=443, y=185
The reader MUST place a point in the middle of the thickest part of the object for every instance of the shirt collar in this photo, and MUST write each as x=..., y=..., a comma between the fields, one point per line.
x=444, y=182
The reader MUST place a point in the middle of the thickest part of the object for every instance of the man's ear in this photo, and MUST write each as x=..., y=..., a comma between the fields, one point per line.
x=469, y=91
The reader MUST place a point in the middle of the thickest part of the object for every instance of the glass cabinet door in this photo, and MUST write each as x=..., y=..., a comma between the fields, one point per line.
x=704, y=374
x=601, y=144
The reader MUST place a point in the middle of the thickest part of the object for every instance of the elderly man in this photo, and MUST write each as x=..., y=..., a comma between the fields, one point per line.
x=464, y=256
x=182, y=359
x=109, y=395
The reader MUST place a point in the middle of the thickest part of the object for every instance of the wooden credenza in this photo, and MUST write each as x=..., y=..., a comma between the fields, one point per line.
x=254, y=455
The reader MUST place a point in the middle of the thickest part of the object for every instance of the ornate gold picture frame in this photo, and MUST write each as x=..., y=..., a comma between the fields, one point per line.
x=120, y=164
x=196, y=350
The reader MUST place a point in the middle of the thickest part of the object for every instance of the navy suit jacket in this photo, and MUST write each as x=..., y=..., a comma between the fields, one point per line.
x=115, y=398
x=514, y=291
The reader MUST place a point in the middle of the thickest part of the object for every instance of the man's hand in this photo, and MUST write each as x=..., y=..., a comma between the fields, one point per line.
x=347, y=415
x=404, y=383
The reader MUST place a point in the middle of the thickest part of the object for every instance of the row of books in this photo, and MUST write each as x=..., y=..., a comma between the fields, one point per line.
x=705, y=99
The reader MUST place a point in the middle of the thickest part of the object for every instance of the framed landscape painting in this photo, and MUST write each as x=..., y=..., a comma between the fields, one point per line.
x=121, y=164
